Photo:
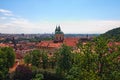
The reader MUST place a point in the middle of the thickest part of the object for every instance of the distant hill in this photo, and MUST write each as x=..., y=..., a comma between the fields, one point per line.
x=113, y=34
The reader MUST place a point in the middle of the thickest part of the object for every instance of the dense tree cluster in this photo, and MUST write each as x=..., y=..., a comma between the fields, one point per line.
x=64, y=60
x=113, y=34
x=96, y=62
x=37, y=58
x=7, y=59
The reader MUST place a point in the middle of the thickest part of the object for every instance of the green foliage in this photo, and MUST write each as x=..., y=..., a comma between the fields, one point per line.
x=52, y=61
x=64, y=62
x=37, y=58
x=107, y=61
x=7, y=59
x=10, y=56
x=44, y=60
x=113, y=34
x=84, y=64
x=95, y=62
x=76, y=73
x=38, y=77
x=27, y=59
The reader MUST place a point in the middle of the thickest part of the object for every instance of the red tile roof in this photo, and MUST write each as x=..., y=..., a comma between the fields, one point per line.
x=3, y=45
x=54, y=45
x=49, y=44
x=72, y=42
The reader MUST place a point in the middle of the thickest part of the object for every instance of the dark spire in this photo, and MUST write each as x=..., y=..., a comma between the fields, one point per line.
x=59, y=29
x=56, y=29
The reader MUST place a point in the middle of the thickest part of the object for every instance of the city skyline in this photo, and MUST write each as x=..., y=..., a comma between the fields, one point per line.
x=74, y=16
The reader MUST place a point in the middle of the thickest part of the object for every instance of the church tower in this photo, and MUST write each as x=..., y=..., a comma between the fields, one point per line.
x=59, y=35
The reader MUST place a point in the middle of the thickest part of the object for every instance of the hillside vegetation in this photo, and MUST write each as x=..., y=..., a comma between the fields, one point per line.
x=113, y=34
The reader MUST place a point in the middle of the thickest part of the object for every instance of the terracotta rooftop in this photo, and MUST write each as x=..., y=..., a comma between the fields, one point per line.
x=3, y=45
x=50, y=44
x=72, y=42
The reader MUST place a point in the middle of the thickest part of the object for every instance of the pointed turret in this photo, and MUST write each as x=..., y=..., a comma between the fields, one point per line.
x=56, y=29
x=59, y=28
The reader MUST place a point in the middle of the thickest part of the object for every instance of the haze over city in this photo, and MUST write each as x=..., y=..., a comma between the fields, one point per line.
x=74, y=16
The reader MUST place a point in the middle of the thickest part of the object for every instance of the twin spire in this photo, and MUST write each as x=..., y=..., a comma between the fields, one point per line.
x=58, y=30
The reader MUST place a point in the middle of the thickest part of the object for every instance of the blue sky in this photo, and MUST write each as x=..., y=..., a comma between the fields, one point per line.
x=74, y=16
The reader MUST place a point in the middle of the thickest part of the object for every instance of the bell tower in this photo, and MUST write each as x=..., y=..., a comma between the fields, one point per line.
x=59, y=35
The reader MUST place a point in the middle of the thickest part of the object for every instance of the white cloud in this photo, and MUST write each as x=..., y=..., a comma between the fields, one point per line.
x=6, y=12
x=95, y=26
x=15, y=24
x=98, y=26
x=10, y=23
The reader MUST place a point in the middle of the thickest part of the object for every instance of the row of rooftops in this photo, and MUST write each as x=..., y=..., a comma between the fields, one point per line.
x=23, y=48
x=72, y=42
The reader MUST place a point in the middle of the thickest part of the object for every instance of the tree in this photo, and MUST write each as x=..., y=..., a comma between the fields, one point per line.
x=64, y=62
x=27, y=59
x=38, y=77
x=33, y=58
x=96, y=61
x=37, y=58
x=101, y=50
x=44, y=58
x=7, y=59
x=113, y=34
x=84, y=64
x=108, y=64
x=52, y=61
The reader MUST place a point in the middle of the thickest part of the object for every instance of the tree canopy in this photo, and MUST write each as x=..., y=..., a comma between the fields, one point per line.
x=113, y=34
x=37, y=58
x=96, y=62
x=7, y=59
